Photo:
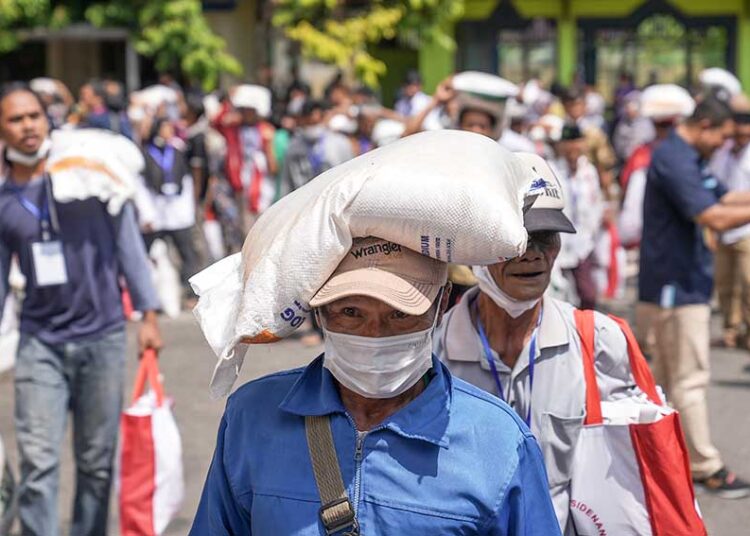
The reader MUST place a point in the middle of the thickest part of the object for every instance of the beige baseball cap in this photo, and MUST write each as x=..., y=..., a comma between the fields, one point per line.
x=389, y=272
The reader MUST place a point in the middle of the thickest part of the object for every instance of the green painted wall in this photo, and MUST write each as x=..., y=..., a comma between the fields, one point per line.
x=399, y=61
x=743, y=46
x=436, y=62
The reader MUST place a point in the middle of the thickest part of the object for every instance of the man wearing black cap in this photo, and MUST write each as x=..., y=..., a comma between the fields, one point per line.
x=598, y=148
x=506, y=337
x=585, y=207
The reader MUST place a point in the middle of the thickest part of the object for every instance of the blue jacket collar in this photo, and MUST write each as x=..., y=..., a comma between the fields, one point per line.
x=424, y=418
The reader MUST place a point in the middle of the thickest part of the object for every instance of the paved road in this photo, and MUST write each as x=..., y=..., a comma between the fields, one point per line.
x=187, y=363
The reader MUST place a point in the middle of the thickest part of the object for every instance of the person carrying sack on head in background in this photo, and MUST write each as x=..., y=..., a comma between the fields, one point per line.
x=71, y=353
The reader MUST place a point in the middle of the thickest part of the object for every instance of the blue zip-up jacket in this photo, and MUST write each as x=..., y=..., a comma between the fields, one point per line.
x=455, y=460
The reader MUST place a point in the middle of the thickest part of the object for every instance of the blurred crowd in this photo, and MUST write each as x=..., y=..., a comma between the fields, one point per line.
x=215, y=162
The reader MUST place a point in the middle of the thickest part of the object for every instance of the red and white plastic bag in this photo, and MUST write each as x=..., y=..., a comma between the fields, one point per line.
x=149, y=475
x=631, y=474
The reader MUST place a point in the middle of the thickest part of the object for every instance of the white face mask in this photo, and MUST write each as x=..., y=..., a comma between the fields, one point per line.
x=379, y=367
x=26, y=159
x=512, y=306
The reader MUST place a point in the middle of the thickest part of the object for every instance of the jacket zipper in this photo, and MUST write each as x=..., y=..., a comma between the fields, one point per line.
x=358, y=455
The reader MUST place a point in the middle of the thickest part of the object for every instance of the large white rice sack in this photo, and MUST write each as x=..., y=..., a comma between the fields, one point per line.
x=666, y=101
x=484, y=85
x=93, y=162
x=454, y=196
x=720, y=78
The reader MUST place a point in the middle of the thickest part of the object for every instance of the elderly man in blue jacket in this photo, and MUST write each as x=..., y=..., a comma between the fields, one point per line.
x=418, y=451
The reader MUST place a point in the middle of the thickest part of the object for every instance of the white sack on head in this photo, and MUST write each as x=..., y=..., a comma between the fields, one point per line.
x=343, y=123
x=252, y=96
x=721, y=78
x=454, y=196
x=485, y=85
x=154, y=96
x=664, y=101
x=44, y=85
x=94, y=163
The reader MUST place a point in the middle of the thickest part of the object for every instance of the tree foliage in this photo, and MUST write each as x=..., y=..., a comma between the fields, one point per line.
x=340, y=31
x=172, y=32
x=17, y=15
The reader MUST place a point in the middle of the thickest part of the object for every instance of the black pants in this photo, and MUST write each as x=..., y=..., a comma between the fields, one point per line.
x=182, y=239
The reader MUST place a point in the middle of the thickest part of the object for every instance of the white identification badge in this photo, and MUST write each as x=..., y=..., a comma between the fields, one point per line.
x=170, y=188
x=49, y=263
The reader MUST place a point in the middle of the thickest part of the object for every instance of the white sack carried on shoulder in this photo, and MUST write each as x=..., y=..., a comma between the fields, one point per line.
x=96, y=163
x=454, y=196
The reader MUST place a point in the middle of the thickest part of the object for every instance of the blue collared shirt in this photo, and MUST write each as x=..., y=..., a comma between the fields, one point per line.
x=455, y=460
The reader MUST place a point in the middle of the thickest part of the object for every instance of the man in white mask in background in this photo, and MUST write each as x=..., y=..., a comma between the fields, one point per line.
x=506, y=337
x=419, y=451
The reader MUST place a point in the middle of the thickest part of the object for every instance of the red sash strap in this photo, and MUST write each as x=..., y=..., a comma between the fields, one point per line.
x=148, y=369
x=585, y=326
x=638, y=365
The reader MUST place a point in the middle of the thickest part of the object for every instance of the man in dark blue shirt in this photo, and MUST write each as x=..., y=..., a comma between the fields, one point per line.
x=682, y=203
x=71, y=353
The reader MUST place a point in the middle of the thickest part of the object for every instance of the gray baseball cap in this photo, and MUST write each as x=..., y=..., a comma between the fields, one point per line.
x=546, y=211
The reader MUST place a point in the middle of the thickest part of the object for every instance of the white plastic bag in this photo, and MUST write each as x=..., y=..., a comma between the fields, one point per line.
x=9, y=334
x=166, y=279
x=9, y=326
x=454, y=196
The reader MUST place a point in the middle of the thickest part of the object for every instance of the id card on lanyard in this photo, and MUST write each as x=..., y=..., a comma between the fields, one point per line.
x=493, y=367
x=47, y=256
x=165, y=161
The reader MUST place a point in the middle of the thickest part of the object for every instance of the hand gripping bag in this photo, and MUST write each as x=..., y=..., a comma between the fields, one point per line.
x=149, y=476
x=631, y=474
x=454, y=196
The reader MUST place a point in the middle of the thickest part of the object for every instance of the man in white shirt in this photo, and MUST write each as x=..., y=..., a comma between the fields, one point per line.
x=585, y=207
x=413, y=100
x=731, y=165
x=511, y=339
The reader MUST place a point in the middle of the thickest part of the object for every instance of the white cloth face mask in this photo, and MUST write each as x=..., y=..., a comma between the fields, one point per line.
x=512, y=306
x=379, y=367
x=28, y=160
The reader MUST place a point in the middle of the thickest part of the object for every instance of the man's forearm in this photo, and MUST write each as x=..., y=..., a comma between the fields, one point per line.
x=723, y=217
x=736, y=198
x=414, y=124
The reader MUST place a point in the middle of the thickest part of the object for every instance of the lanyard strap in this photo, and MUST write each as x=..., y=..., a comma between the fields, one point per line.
x=164, y=159
x=41, y=213
x=493, y=367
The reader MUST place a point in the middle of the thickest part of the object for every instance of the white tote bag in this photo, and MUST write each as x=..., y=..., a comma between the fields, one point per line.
x=166, y=279
x=631, y=475
x=150, y=474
